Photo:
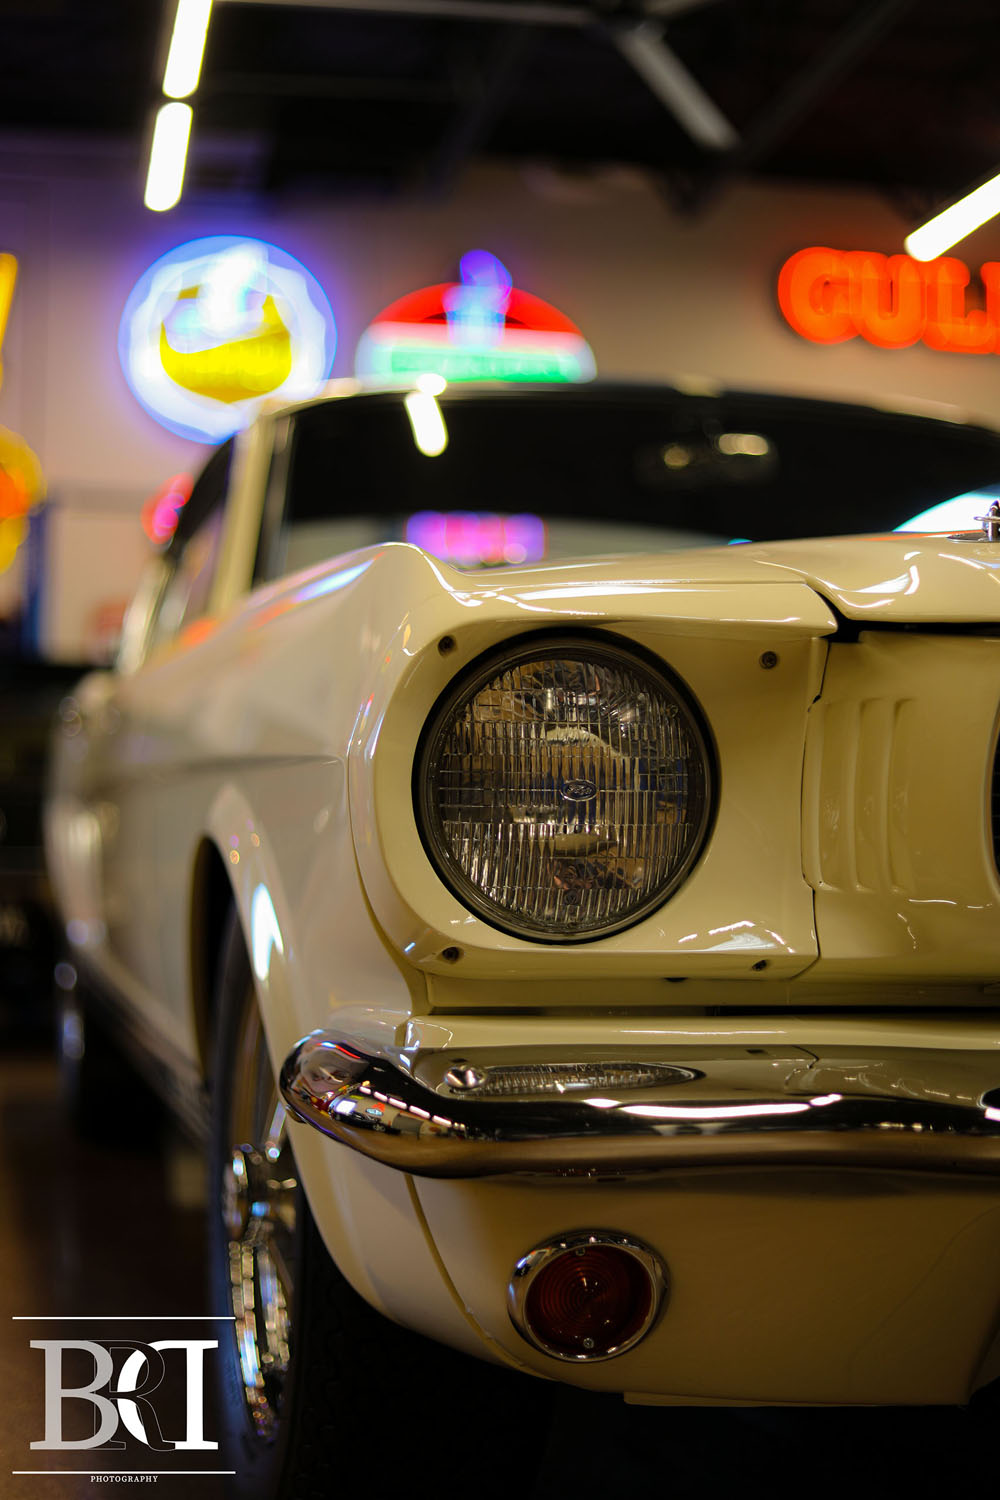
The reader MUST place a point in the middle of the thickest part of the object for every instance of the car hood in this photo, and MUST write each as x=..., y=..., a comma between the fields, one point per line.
x=899, y=579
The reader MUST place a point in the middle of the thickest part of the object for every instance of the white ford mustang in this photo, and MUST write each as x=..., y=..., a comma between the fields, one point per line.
x=574, y=934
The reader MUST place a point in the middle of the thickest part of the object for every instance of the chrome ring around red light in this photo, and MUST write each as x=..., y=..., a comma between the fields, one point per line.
x=529, y=1267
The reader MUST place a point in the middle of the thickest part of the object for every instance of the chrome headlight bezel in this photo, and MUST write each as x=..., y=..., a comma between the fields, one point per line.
x=593, y=648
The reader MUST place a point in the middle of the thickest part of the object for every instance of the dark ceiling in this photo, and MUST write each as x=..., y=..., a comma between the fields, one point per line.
x=399, y=95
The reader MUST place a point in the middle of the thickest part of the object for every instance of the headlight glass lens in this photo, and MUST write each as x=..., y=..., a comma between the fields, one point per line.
x=565, y=791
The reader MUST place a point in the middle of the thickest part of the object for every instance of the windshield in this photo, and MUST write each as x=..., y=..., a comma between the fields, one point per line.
x=483, y=477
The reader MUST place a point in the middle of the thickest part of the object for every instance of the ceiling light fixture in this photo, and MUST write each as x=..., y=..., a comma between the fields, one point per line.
x=954, y=223
x=167, y=156
x=187, y=48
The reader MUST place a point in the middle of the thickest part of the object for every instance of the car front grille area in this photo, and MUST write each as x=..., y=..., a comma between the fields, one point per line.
x=855, y=833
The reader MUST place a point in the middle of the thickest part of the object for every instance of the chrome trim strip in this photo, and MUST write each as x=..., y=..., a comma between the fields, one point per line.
x=892, y=1108
x=530, y=1265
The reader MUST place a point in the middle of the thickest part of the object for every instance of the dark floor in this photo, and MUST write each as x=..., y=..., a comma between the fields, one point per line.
x=90, y=1230
x=87, y=1234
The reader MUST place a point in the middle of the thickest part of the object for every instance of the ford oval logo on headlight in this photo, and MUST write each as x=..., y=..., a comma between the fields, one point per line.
x=577, y=791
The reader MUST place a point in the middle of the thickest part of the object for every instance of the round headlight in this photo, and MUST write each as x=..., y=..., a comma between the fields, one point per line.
x=564, y=788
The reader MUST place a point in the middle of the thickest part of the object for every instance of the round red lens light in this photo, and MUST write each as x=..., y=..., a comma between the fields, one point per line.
x=589, y=1301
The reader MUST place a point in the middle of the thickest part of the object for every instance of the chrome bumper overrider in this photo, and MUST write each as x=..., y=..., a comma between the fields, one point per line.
x=602, y=1113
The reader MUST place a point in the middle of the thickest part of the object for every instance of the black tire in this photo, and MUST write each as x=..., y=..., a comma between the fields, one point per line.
x=357, y=1392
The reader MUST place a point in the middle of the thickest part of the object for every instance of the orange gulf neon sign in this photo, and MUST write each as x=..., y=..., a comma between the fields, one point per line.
x=892, y=301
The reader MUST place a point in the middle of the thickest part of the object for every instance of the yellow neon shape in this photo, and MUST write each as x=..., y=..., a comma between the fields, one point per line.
x=238, y=369
x=8, y=276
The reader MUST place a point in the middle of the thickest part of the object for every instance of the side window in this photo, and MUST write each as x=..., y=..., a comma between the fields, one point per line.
x=193, y=555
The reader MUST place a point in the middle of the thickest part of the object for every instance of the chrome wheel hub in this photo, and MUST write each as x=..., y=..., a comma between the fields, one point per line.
x=255, y=1199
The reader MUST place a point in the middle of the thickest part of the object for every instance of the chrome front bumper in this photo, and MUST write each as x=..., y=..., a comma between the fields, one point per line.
x=590, y=1113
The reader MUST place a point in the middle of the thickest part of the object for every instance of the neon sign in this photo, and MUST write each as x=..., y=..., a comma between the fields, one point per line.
x=162, y=511
x=21, y=481
x=891, y=301
x=471, y=538
x=8, y=276
x=478, y=328
x=215, y=327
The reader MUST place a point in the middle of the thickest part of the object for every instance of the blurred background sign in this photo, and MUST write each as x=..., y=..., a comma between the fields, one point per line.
x=480, y=327
x=216, y=326
x=21, y=482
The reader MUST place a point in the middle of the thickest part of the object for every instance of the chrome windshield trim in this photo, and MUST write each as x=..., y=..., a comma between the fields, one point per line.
x=891, y=1108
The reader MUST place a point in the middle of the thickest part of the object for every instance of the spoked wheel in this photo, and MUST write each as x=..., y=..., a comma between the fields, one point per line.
x=259, y=1202
x=258, y=1231
x=309, y=1370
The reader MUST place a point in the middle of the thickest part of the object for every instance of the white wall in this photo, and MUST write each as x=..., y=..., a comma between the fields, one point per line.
x=93, y=559
x=656, y=294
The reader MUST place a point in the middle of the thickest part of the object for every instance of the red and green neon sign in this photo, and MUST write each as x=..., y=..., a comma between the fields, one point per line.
x=481, y=327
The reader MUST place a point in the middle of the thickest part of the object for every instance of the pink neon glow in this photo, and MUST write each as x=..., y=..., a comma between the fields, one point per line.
x=472, y=538
x=161, y=514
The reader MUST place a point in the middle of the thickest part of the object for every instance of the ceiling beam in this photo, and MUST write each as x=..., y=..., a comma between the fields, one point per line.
x=487, y=96
x=516, y=13
x=327, y=86
x=861, y=33
x=509, y=12
x=677, y=89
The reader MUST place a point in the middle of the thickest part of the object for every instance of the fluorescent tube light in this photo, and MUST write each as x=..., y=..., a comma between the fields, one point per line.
x=954, y=223
x=426, y=418
x=167, y=156
x=187, y=47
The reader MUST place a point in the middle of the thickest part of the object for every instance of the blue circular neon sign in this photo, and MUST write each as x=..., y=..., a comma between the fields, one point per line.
x=216, y=327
